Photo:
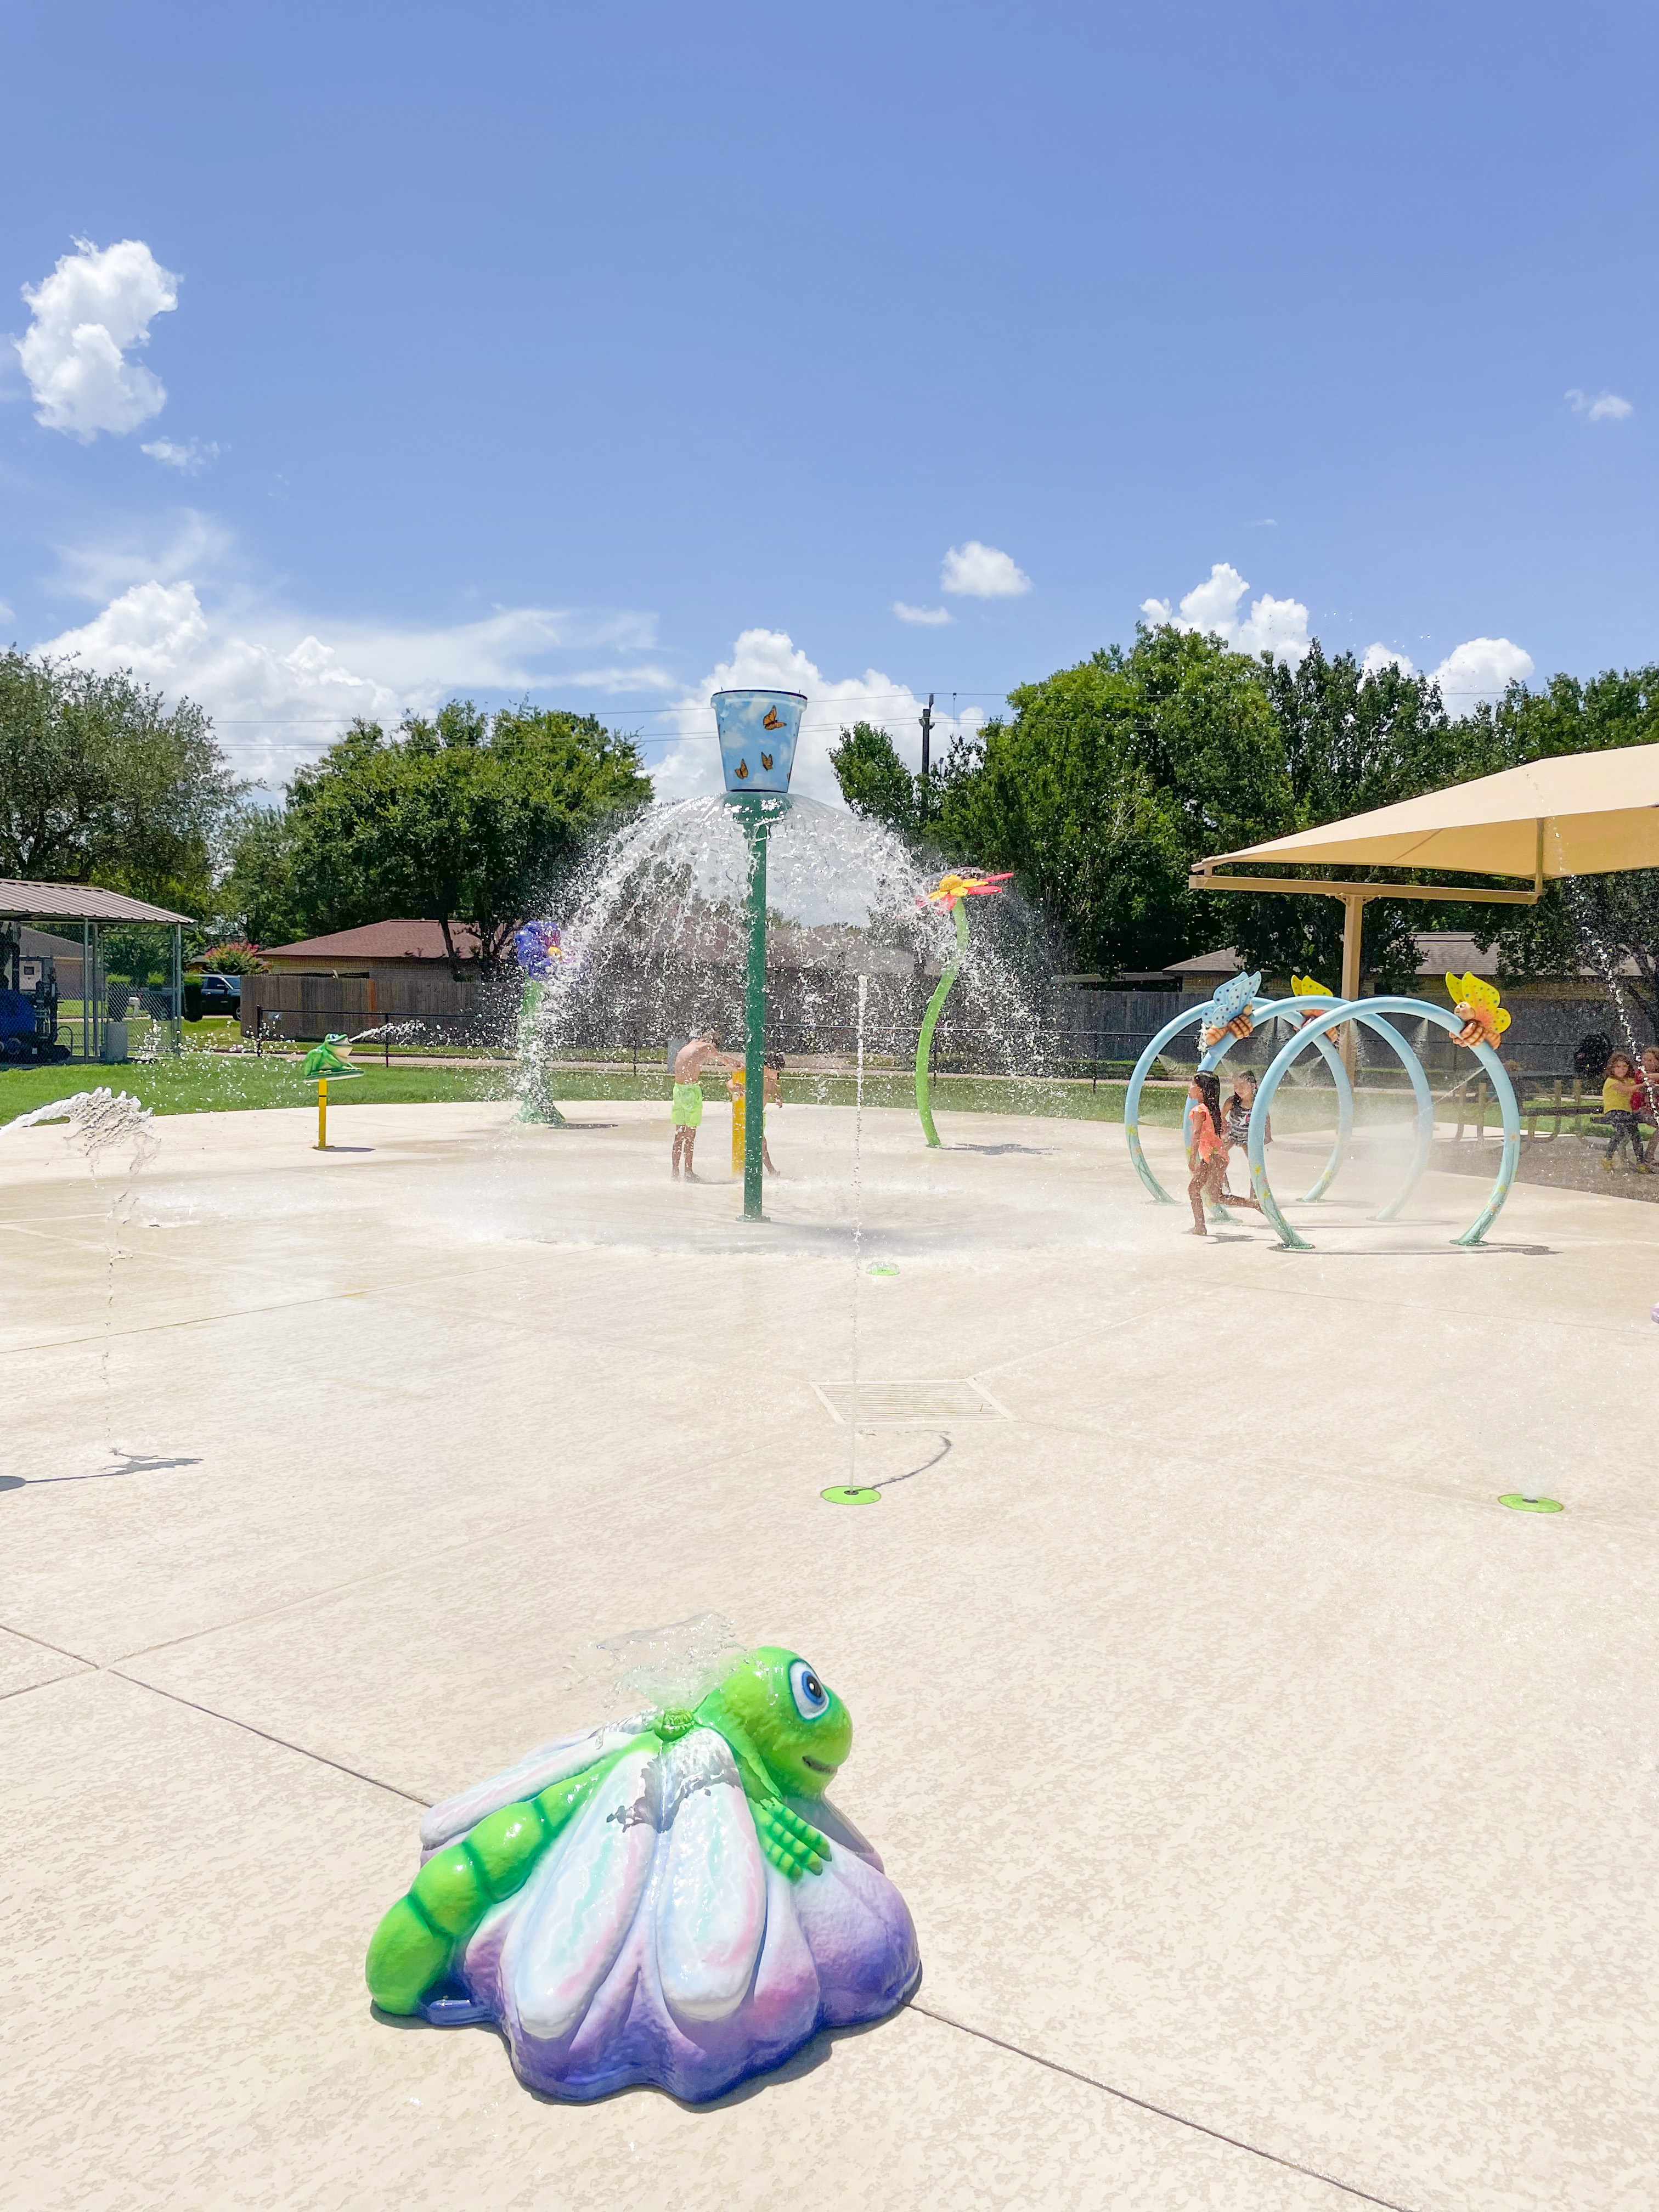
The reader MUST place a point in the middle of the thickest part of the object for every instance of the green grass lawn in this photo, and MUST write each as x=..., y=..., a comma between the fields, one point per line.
x=205, y=1082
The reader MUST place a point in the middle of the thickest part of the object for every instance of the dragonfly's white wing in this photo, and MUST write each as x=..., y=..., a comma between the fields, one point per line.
x=553, y=1762
x=582, y=1899
x=711, y=1901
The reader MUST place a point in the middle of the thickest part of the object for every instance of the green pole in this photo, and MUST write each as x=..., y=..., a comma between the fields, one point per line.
x=754, y=1014
x=930, y=1022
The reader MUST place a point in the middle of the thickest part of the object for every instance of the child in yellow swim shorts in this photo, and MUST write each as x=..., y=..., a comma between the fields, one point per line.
x=686, y=1110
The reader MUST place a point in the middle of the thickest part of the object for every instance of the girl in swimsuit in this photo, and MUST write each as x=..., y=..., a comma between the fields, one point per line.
x=1238, y=1128
x=1207, y=1154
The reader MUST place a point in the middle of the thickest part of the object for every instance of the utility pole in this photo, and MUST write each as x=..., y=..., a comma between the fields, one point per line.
x=926, y=733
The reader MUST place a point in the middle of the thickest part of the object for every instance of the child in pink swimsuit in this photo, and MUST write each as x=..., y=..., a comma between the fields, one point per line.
x=1207, y=1154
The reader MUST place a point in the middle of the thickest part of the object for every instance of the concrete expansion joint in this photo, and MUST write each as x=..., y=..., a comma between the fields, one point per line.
x=1163, y=2111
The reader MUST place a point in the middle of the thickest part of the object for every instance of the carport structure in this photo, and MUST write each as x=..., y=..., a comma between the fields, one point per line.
x=93, y=909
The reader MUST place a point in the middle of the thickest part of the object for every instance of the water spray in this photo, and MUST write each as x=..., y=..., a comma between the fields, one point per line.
x=852, y=1491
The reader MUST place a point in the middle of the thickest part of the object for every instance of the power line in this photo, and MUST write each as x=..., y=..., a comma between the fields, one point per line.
x=300, y=721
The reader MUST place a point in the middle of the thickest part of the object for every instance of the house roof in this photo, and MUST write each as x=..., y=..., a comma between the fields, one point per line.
x=76, y=902
x=37, y=945
x=380, y=940
x=1439, y=952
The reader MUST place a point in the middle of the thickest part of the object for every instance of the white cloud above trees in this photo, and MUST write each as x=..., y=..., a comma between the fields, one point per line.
x=1479, y=669
x=93, y=310
x=973, y=571
x=1277, y=626
x=281, y=688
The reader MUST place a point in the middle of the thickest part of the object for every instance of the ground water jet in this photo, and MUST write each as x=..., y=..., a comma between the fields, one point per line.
x=102, y=1121
x=852, y=1491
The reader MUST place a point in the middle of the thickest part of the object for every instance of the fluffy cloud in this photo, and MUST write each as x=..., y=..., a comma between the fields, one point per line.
x=97, y=302
x=1606, y=407
x=932, y=616
x=271, y=709
x=190, y=459
x=973, y=571
x=1477, y=670
x=768, y=659
x=1277, y=626
x=279, y=691
x=1481, y=669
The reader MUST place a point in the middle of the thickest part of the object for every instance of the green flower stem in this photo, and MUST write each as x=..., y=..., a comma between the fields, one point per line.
x=930, y=1022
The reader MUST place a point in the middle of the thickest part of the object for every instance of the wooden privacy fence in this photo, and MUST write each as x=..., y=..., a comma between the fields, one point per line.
x=312, y=1005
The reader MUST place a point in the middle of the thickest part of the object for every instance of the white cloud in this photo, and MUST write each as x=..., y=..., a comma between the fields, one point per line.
x=187, y=544
x=279, y=690
x=1606, y=407
x=1480, y=669
x=973, y=571
x=271, y=708
x=190, y=459
x=1277, y=626
x=96, y=304
x=505, y=650
x=932, y=616
x=769, y=659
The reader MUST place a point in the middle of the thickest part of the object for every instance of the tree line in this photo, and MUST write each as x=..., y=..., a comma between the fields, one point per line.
x=1098, y=789
x=466, y=818
x=1106, y=782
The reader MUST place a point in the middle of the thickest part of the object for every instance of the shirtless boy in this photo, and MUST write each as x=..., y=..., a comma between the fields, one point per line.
x=688, y=1065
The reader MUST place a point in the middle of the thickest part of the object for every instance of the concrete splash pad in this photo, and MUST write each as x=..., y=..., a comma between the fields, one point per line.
x=1238, y=1753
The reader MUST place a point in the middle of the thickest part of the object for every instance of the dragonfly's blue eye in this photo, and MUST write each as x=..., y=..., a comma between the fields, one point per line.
x=811, y=1698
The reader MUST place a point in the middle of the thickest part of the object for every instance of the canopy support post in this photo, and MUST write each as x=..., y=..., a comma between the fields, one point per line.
x=1353, y=924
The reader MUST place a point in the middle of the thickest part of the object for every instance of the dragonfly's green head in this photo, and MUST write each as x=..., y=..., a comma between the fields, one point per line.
x=795, y=1722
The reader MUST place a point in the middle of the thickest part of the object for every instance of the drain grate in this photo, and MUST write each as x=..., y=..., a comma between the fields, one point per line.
x=910, y=1405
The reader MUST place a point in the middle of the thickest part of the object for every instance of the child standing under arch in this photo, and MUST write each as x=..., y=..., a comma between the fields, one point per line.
x=1206, y=1152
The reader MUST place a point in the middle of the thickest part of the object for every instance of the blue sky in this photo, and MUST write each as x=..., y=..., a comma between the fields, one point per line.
x=536, y=347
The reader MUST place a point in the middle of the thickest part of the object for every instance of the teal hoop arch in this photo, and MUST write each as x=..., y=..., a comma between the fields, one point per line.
x=1420, y=1010
x=1212, y=1058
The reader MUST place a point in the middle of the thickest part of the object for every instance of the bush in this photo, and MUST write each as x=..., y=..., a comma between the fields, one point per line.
x=234, y=957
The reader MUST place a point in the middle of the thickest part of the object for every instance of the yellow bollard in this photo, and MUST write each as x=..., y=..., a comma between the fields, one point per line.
x=322, y=1113
x=736, y=1082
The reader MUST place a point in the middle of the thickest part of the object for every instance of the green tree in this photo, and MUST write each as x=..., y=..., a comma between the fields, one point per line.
x=1608, y=925
x=1109, y=779
x=461, y=819
x=874, y=782
x=1353, y=741
x=257, y=896
x=101, y=782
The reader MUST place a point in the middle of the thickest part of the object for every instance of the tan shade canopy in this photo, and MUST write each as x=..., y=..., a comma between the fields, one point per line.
x=1599, y=812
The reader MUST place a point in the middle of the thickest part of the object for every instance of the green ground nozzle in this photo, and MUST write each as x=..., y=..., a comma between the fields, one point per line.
x=1518, y=1502
x=850, y=1493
